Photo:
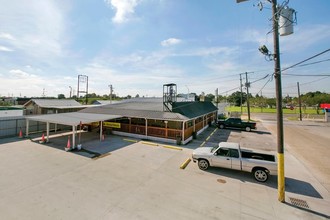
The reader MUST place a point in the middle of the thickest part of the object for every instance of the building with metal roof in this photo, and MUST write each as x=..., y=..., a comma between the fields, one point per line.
x=51, y=106
x=142, y=118
x=145, y=118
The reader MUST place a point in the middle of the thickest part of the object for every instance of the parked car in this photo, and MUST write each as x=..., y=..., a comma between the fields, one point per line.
x=229, y=155
x=236, y=123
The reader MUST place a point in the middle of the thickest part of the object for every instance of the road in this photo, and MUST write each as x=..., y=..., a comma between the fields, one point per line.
x=307, y=140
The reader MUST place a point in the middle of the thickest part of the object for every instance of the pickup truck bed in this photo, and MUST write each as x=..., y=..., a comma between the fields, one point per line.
x=236, y=123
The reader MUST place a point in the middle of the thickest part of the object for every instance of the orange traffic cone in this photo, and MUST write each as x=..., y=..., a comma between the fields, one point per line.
x=42, y=139
x=68, y=145
x=20, y=135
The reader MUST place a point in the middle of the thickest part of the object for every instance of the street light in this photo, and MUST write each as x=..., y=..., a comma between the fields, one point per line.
x=264, y=50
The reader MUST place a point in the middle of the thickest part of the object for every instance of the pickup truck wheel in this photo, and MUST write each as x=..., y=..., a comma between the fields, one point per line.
x=203, y=164
x=260, y=175
x=248, y=129
x=221, y=126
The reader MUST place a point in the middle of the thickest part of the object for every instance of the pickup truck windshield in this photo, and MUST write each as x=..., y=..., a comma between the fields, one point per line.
x=214, y=148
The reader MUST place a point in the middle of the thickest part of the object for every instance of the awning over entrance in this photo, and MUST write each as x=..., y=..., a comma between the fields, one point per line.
x=72, y=118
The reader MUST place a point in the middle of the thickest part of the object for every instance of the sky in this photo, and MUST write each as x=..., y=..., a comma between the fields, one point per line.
x=137, y=46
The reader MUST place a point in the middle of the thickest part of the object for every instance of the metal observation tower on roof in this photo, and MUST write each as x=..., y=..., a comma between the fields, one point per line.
x=169, y=96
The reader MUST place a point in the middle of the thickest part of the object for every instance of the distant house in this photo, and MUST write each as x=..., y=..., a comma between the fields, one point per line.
x=51, y=106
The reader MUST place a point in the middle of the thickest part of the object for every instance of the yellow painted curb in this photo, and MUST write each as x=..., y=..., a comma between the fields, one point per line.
x=185, y=163
x=172, y=147
x=149, y=143
x=130, y=140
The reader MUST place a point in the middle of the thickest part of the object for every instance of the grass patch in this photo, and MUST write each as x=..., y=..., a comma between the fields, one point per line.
x=273, y=110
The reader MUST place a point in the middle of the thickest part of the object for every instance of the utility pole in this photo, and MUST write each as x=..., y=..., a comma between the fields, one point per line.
x=299, y=101
x=216, y=98
x=262, y=101
x=111, y=90
x=240, y=79
x=247, y=85
x=279, y=110
x=70, y=91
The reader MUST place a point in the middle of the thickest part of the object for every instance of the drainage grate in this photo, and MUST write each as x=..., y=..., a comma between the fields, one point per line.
x=299, y=202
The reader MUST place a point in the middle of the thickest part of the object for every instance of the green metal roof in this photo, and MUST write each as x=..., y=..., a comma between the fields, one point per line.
x=193, y=109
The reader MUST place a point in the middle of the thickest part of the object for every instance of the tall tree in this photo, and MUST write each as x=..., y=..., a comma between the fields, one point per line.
x=235, y=98
x=61, y=96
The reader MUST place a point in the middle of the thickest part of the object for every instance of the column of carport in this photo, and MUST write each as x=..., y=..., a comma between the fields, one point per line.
x=27, y=129
x=74, y=131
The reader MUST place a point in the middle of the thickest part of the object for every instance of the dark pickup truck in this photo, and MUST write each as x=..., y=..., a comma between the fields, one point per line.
x=236, y=123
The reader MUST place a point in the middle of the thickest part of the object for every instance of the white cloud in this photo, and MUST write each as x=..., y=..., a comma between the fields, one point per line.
x=6, y=49
x=305, y=37
x=35, y=28
x=124, y=8
x=255, y=36
x=209, y=51
x=302, y=38
x=20, y=74
x=170, y=42
x=6, y=36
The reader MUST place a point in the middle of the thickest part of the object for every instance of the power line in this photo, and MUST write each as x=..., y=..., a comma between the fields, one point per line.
x=312, y=57
x=299, y=64
x=315, y=80
x=316, y=62
x=307, y=75
x=270, y=79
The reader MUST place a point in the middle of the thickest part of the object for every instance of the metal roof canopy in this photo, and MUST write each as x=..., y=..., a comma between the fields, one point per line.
x=72, y=118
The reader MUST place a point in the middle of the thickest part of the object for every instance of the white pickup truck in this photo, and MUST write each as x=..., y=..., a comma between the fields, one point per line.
x=230, y=155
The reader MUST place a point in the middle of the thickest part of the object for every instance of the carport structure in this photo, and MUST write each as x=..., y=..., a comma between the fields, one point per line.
x=71, y=119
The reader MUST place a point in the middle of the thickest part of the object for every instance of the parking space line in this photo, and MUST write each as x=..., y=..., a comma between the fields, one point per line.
x=172, y=147
x=149, y=143
x=130, y=140
x=159, y=145
x=202, y=144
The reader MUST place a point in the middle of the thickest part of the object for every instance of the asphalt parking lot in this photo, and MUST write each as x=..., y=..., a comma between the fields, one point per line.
x=121, y=178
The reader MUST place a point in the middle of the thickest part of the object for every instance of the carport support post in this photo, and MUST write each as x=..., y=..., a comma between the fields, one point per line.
x=73, y=136
x=146, y=127
x=101, y=130
x=166, y=132
x=27, y=128
x=183, y=130
x=56, y=123
x=47, y=127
